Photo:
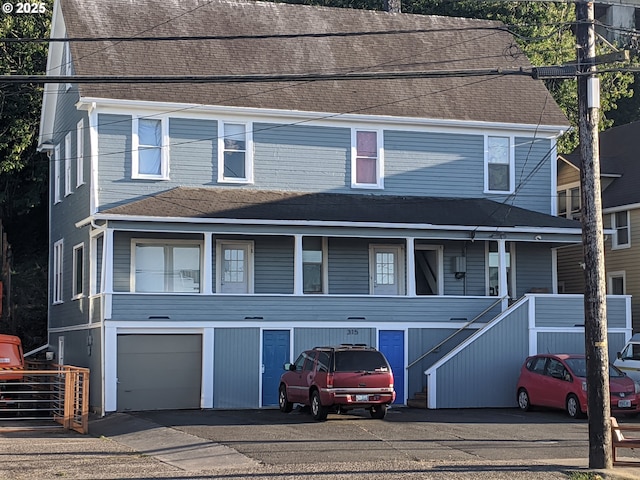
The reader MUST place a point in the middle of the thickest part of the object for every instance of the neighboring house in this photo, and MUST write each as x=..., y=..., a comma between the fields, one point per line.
x=202, y=234
x=620, y=177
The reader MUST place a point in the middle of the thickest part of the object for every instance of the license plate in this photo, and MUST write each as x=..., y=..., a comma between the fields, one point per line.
x=362, y=398
x=624, y=403
x=5, y=360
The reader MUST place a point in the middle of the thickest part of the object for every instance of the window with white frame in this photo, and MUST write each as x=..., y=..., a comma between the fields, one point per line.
x=569, y=202
x=78, y=270
x=166, y=267
x=498, y=165
x=150, y=159
x=58, y=252
x=366, y=159
x=313, y=254
x=56, y=174
x=80, y=153
x=67, y=165
x=620, y=225
x=66, y=67
x=235, y=152
x=616, y=283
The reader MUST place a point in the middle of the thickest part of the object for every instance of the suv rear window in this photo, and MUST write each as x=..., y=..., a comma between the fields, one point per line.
x=358, y=360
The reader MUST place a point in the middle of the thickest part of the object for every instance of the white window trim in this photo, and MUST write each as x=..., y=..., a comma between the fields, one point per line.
x=164, y=149
x=379, y=164
x=163, y=241
x=400, y=260
x=248, y=159
x=80, y=153
x=58, y=271
x=512, y=173
x=614, y=241
x=250, y=264
x=76, y=294
x=56, y=175
x=620, y=274
x=65, y=63
x=67, y=165
x=567, y=190
x=324, y=268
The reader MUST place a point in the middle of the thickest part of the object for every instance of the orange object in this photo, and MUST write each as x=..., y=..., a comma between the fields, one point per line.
x=11, y=358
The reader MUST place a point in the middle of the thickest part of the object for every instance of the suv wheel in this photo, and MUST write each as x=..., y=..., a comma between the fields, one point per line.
x=285, y=405
x=317, y=410
x=378, y=411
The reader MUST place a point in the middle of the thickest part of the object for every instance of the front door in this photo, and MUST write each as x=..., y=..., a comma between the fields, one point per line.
x=275, y=353
x=235, y=267
x=391, y=344
x=387, y=274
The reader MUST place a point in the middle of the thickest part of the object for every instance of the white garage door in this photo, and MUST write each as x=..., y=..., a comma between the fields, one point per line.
x=159, y=372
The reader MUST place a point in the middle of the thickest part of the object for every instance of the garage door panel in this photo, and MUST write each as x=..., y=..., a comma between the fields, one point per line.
x=159, y=372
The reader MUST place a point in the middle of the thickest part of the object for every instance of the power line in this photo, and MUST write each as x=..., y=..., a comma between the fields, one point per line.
x=259, y=78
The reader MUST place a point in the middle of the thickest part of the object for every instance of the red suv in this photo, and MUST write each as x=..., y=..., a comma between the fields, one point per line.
x=338, y=379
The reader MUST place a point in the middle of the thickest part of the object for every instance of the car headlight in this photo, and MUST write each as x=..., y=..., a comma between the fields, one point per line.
x=637, y=385
x=584, y=386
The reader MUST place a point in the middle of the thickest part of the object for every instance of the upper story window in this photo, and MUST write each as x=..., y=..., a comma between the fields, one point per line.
x=366, y=159
x=150, y=159
x=235, y=153
x=620, y=225
x=616, y=283
x=78, y=270
x=56, y=174
x=569, y=202
x=80, y=153
x=166, y=267
x=499, y=170
x=58, y=251
x=67, y=165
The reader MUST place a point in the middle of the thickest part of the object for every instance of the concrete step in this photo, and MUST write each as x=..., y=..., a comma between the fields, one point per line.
x=419, y=400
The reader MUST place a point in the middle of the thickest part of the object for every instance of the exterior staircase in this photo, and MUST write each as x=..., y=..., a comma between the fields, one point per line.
x=419, y=399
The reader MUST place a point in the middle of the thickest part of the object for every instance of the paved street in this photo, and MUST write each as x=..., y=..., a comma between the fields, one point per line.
x=409, y=443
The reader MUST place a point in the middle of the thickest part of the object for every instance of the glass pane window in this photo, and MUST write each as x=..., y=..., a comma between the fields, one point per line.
x=617, y=286
x=235, y=150
x=621, y=226
x=78, y=271
x=498, y=163
x=149, y=147
x=575, y=203
x=385, y=268
x=366, y=158
x=562, y=203
x=234, y=261
x=312, y=265
x=167, y=268
x=494, y=260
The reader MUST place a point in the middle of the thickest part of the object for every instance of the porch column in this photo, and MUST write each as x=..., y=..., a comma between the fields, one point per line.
x=503, y=287
x=107, y=272
x=297, y=266
x=206, y=279
x=411, y=267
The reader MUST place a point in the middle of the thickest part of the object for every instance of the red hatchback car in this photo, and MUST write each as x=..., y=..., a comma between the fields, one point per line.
x=559, y=381
x=338, y=379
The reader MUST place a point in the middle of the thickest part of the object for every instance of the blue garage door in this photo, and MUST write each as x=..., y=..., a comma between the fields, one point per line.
x=275, y=353
x=391, y=343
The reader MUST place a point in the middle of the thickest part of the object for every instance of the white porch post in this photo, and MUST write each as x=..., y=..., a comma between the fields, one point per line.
x=206, y=279
x=503, y=287
x=298, y=285
x=107, y=272
x=411, y=267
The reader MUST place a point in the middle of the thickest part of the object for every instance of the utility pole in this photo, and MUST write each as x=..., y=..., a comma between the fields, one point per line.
x=595, y=308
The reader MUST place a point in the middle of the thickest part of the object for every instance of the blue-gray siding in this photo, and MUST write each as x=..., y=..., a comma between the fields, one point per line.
x=306, y=338
x=236, y=367
x=488, y=366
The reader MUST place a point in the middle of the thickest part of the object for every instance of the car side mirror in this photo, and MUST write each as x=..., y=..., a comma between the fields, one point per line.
x=292, y=367
x=619, y=355
x=287, y=366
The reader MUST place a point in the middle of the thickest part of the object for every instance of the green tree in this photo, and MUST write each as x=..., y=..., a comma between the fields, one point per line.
x=24, y=175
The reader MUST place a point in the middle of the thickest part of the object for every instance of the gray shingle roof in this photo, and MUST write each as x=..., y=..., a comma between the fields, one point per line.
x=368, y=41
x=619, y=156
x=247, y=204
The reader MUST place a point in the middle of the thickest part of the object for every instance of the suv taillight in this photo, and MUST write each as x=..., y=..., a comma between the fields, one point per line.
x=329, y=380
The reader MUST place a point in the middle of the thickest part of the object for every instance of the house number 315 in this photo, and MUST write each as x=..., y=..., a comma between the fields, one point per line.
x=352, y=331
